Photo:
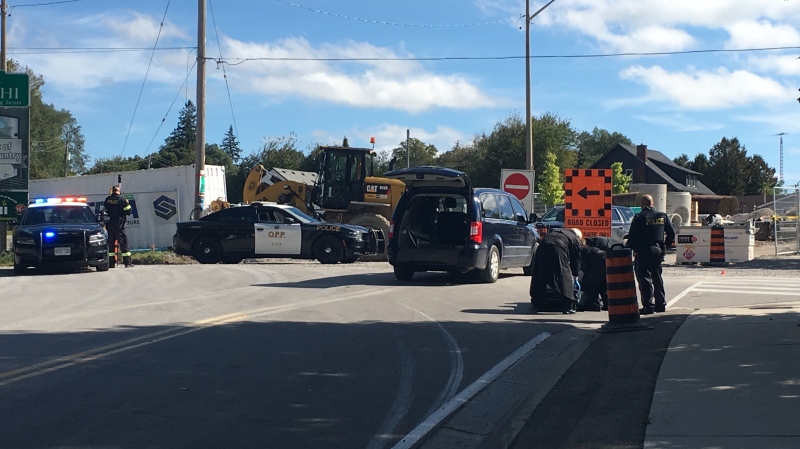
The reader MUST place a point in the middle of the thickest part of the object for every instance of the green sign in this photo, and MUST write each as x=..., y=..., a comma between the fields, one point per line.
x=12, y=205
x=15, y=90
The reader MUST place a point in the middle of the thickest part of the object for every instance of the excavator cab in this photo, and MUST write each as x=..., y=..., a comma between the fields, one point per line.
x=342, y=176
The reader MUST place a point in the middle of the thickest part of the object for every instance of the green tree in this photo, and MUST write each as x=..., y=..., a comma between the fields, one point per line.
x=231, y=146
x=421, y=153
x=464, y=158
x=117, y=164
x=592, y=146
x=619, y=180
x=682, y=160
x=503, y=148
x=553, y=134
x=345, y=142
x=550, y=186
x=312, y=160
x=727, y=162
x=179, y=146
x=53, y=132
x=759, y=176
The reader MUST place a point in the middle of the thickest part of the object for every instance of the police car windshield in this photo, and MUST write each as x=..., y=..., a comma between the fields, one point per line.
x=301, y=217
x=58, y=214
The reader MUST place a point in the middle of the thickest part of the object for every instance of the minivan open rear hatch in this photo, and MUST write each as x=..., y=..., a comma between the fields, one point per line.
x=429, y=176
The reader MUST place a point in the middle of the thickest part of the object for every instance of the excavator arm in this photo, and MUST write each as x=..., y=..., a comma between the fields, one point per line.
x=284, y=192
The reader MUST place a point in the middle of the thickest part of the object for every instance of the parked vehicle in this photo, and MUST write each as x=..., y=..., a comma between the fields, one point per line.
x=273, y=230
x=442, y=223
x=621, y=218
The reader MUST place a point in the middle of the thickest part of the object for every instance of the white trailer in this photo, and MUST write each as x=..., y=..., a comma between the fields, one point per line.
x=160, y=198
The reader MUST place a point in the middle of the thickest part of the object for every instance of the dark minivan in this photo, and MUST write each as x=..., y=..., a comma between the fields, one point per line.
x=442, y=223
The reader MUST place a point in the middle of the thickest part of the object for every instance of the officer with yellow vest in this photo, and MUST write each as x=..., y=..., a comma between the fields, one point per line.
x=118, y=208
x=647, y=240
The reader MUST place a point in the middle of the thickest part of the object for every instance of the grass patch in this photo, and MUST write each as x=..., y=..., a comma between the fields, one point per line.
x=7, y=259
x=167, y=257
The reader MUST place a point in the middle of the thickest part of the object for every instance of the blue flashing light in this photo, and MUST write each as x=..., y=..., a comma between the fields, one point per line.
x=49, y=234
x=39, y=200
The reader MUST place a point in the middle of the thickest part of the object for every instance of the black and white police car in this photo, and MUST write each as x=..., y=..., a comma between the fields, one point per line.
x=59, y=232
x=271, y=230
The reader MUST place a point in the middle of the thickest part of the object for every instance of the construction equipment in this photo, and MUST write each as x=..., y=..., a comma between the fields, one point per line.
x=345, y=190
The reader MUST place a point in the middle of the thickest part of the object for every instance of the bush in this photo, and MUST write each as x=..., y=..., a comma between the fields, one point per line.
x=167, y=257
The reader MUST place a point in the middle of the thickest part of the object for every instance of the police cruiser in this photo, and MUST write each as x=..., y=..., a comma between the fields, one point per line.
x=262, y=230
x=59, y=232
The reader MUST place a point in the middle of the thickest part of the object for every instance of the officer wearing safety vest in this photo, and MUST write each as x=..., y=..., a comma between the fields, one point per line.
x=118, y=208
x=646, y=238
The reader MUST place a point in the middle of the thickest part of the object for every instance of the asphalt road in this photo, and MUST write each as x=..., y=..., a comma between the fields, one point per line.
x=260, y=355
x=250, y=355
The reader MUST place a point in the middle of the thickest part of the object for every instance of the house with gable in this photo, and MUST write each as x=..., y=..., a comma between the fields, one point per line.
x=652, y=167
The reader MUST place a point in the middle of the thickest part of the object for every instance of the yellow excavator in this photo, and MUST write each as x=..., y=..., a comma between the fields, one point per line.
x=345, y=190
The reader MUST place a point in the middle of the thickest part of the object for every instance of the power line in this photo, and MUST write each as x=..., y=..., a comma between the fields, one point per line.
x=141, y=91
x=500, y=58
x=224, y=73
x=164, y=119
x=45, y=4
x=82, y=50
x=380, y=22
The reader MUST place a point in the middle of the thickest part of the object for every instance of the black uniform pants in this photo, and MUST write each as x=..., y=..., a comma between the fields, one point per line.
x=648, y=273
x=592, y=293
x=116, y=232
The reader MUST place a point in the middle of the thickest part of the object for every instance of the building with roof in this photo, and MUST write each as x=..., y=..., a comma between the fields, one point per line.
x=652, y=167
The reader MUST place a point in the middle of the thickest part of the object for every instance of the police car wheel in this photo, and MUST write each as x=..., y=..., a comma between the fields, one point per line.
x=329, y=250
x=491, y=273
x=103, y=266
x=207, y=250
x=350, y=259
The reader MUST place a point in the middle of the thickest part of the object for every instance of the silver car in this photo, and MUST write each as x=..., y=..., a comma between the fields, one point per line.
x=620, y=221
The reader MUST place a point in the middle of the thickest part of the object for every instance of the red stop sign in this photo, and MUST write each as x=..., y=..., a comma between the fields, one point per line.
x=517, y=184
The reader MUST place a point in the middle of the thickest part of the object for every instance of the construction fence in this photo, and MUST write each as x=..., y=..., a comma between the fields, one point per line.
x=786, y=204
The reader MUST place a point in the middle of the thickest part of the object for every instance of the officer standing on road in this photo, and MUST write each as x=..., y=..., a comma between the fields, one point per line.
x=646, y=238
x=557, y=264
x=118, y=208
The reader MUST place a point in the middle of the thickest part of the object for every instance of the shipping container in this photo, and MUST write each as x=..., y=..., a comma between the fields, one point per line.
x=160, y=198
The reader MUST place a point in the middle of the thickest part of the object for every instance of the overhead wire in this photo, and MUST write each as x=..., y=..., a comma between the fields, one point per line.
x=381, y=22
x=164, y=119
x=141, y=91
x=44, y=4
x=500, y=58
x=86, y=50
x=224, y=73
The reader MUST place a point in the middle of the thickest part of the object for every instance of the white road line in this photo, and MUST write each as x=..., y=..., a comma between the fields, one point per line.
x=749, y=292
x=468, y=393
x=683, y=293
x=736, y=287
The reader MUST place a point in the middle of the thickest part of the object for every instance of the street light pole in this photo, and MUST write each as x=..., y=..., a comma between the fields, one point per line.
x=528, y=128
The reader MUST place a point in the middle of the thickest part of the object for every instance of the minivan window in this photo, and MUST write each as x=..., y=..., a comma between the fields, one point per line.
x=489, y=205
x=617, y=216
x=519, y=209
x=626, y=213
x=506, y=211
x=554, y=215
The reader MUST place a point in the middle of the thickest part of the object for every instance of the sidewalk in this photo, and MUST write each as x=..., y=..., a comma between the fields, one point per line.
x=730, y=380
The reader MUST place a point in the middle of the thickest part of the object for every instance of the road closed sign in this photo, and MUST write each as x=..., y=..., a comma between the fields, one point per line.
x=520, y=184
x=587, y=201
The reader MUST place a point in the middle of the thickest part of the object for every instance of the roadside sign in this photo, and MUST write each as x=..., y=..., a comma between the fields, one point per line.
x=15, y=90
x=588, y=201
x=520, y=184
x=12, y=205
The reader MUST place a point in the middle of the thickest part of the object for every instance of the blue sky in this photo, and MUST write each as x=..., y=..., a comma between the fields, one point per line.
x=676, y=103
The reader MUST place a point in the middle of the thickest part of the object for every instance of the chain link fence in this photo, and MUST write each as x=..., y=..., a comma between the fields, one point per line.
x=786, y=204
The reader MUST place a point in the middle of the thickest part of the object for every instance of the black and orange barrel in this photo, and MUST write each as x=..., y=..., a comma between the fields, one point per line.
x=623, y=305
x=717, y=245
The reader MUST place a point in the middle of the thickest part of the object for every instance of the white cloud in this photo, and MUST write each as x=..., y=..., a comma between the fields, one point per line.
x=133, y=27
x=403, y=85
x=760, y=34
x=389, y=136
x=702, y=89
x=779, y=64
x=681, y=122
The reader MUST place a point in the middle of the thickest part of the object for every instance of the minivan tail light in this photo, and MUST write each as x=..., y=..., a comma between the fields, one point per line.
x=391, y=230
x=476, y=231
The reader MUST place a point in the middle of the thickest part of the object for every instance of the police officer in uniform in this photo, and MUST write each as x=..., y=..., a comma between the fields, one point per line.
x=558, y=262
x=118, y=208
x=646, y=238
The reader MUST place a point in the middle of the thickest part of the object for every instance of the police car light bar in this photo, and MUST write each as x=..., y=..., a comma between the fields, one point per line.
x=70, y=199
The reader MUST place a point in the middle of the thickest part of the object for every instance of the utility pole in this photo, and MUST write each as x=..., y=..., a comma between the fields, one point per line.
x=200, y=153
x=3, y=12
x=66, y=154
x=408, y=148
x=528, y=128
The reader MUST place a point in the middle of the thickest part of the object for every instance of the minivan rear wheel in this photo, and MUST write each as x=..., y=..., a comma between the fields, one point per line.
x=403, y=273
x=491, y=273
